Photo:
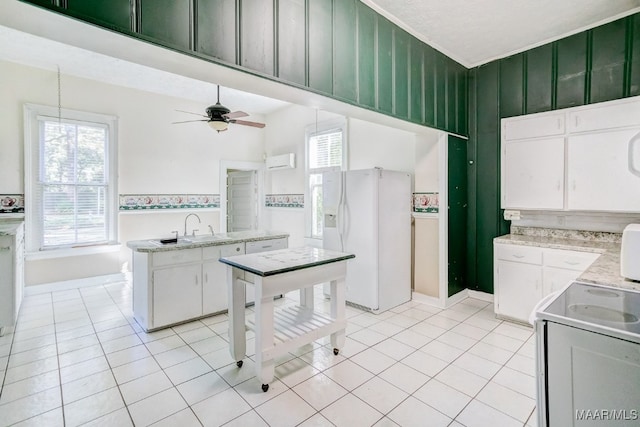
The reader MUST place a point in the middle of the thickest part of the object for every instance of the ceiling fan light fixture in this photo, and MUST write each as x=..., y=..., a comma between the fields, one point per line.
x=218, y=125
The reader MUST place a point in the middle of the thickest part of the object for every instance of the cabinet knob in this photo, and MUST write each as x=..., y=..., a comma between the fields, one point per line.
x=237, y=249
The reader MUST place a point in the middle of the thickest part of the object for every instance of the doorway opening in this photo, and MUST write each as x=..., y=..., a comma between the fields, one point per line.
x=241, y=190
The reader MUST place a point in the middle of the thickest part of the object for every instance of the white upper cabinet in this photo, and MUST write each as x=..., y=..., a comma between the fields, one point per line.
x=581, y=159
x=607, y=115
x=533, y=126
x=603, y=171
x=533, y=174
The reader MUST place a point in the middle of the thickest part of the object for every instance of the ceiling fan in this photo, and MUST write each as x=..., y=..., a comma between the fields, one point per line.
x=218, y=117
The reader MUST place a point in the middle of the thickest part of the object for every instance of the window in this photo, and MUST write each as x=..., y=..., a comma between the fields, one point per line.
x=70, y=175
x=325, y=152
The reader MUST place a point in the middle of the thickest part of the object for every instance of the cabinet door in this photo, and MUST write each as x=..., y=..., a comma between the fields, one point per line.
x=608, y=115
x=518, y=289
x=587, y=373
x=533, y=126
x=554, y=279
x=6, y=281
x=603, y=171
x=214, y=277
x=533, y=174
x=177, y=294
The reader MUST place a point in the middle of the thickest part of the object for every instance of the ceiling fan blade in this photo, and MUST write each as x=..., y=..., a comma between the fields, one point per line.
x=191, y=112
x=189, y=121
x=235, y=114
x=248, y=123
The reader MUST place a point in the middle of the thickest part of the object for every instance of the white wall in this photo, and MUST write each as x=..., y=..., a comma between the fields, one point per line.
x=369, y=145
x=154, y=156
x=372, y=145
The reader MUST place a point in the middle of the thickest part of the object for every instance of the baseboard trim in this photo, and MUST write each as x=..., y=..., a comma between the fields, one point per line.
x=482, y=296
x=426, y=299
x=75, y=284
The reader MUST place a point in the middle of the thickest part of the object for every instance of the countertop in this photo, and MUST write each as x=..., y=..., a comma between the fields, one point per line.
x=9, y=226
x=153, y=245
x=604, y=271
x=284, y=260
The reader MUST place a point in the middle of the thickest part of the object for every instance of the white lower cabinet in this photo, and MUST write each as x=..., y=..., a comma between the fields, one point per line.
x=177, y=294
x=523, y=275
x=214, y=277
x=12, y=277
x=176, y=286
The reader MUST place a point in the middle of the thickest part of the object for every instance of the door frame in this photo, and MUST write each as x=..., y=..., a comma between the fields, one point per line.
x=225, y=167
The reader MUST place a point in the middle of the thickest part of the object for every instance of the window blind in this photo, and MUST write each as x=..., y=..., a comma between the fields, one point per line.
x=72, y=184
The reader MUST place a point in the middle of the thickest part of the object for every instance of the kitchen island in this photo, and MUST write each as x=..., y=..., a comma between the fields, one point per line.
x=277, y=332
x=178, y=282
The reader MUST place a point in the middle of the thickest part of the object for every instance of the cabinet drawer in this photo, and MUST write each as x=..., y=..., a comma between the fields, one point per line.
x=533, y=126
x=215, y=252
x=178, y=256
x=517, y=253
x=570, y=260
x=266, y=245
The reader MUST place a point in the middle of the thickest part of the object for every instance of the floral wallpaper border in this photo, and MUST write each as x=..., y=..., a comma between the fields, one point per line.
x=11, y=203
x=284, y=200
x=426, y=202
x=135, y=202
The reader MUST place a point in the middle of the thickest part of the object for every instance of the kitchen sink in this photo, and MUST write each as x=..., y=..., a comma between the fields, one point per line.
x=203, y=238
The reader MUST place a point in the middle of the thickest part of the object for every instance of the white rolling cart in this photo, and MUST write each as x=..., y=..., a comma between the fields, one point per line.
x=280, y=331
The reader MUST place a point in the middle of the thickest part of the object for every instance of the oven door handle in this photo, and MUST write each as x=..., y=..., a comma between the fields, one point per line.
x=540, y=304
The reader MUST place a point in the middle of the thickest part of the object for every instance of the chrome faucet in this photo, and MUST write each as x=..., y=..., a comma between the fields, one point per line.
x=185, y=223
x=211, y=229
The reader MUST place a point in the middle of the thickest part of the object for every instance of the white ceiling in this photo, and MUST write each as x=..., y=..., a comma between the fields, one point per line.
x=474, y=32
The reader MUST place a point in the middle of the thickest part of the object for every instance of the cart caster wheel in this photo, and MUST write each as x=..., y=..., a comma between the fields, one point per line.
x=336, y=351
x=265, y=387
x=239, y=363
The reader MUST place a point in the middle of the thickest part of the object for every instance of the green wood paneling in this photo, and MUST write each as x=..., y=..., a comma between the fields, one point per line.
x=416, y=90
x=166, y=21
x=472, y=170
x=115, y=14
x=401, y=73
x=344, y=50
x=385, y=66
x=592, y=66
x=540, y=79
x=457, y=214
x=291, y=41
x=462, y=125
x=366, y=56
x=608, y=61
x=340, y=48
x=257, y=42
x=430, y=100
x=572, y=70
x=320, y=18
x=440, y=91
x=487, y=218
x=633, y=57
x=512, y=86
x=451, y=96
x=216, y=29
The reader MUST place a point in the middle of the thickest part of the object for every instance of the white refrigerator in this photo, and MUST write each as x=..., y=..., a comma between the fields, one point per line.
x=368, y=213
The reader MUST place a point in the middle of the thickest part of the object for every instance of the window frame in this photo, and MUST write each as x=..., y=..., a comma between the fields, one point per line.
x=310, y=131
x=32, y=155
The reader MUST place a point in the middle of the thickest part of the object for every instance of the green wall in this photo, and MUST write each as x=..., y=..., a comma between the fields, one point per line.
x=597, y=65
x=457, y=214
x=338, y=48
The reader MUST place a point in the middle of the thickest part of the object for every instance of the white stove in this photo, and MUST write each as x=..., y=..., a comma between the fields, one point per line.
x=588, y=357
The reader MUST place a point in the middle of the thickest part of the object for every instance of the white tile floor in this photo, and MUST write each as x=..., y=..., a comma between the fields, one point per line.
x=77, y=357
